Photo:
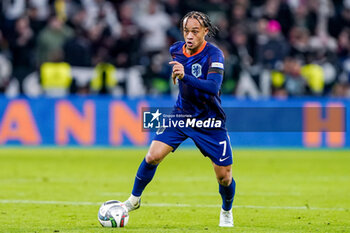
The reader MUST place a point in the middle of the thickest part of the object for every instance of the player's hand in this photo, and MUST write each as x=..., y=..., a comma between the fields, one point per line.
x=178, y=71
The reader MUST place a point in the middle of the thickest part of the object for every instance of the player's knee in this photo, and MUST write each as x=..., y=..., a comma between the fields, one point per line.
x=153, y=158
x=224, y=180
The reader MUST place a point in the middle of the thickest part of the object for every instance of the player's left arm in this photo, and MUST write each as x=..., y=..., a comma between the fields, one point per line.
x=214, y=78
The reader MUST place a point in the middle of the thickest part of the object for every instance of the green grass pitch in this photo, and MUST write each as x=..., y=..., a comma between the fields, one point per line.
x=60, y=190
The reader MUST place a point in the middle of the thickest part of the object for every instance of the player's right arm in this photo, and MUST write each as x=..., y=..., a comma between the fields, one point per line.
x=175, y=47
x=214, y=78
x=212, y=84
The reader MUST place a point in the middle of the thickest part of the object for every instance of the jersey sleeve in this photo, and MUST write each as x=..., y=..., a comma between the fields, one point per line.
x=216, y=63
x=174, y=47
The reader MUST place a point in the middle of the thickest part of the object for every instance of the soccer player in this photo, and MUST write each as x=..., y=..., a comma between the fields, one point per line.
x=198, y=66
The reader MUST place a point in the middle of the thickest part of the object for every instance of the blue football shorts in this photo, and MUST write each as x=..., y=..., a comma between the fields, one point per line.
x=213, y=143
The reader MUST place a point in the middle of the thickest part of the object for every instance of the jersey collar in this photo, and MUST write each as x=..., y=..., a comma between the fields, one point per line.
x=199, y=50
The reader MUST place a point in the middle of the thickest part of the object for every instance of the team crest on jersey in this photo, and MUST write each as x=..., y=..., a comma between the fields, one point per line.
x=196, y=70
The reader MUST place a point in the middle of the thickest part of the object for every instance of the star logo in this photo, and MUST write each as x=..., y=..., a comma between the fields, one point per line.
x=156, y=115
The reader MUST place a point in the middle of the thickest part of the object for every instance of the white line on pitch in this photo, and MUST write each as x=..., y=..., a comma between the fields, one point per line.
x=180, y=194
x=170, y=205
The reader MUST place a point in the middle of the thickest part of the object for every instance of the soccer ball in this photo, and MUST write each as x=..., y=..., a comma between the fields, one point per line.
x=113, y=214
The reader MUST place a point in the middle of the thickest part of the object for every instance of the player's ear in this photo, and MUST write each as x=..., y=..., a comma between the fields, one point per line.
x=206, y=30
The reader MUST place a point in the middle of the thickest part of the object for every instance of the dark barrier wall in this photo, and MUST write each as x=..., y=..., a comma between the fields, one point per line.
x=105, y=121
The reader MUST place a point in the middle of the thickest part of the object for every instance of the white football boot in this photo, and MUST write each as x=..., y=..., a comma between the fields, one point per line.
x=226, y=218
x=133, y=203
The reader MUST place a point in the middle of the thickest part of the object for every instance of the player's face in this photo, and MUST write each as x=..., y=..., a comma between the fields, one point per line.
x=194, y=34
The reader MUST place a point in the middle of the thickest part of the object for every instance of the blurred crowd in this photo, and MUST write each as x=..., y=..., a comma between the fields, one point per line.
x=276, y=48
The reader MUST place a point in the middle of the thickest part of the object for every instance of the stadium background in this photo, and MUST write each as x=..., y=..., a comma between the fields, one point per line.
x=75, y=73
